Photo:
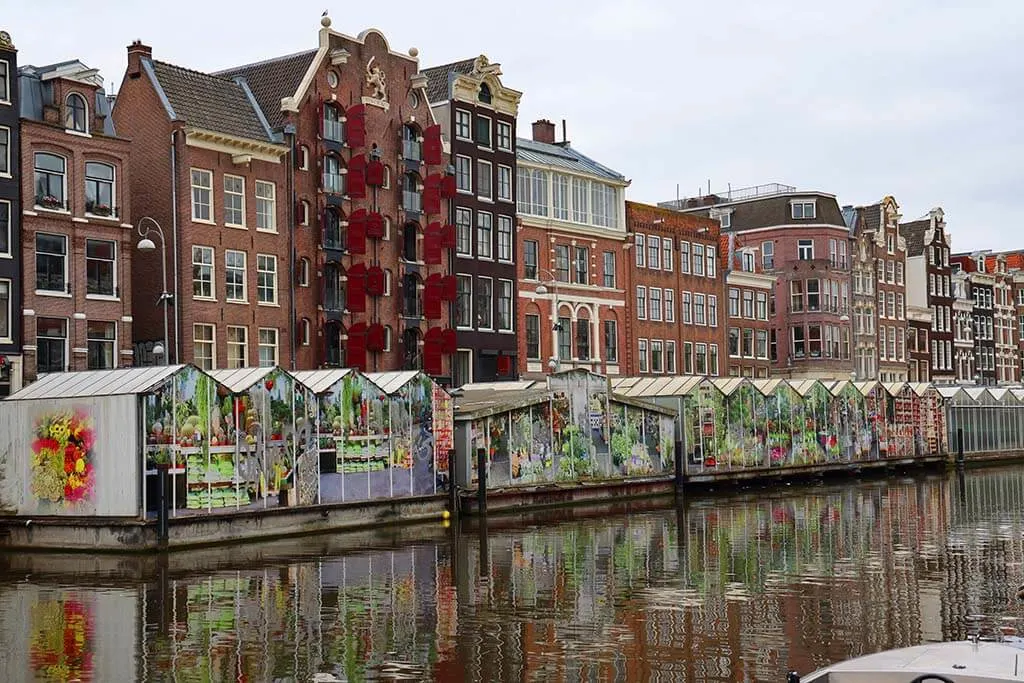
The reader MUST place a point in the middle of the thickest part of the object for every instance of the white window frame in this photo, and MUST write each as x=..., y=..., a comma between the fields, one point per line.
x=66, y=338
x=304, y=272
x=654, y=250
x=481, y=164
x=304, y=220
x=212, y=341
x=670, y=352
x=85, y=123
x=489, y=256
x=5, y=158
x=9, y=253
x=233, y=193
x=641, y=302
x=245, y=277
x=114, y=295
x=469, y=306
x=467, y=227
x=803, y=245
x=504, y=189
x=67, y=266
x=654, y=303
x=261, y=346
x=669, y=303
x=303, y=158
x=235, y=345
x=505, y=221
x=5, y=78
x=212, y=264
x=463, y=118
x=511, y=306
x=802, y=211
x=666, y=254
x=197, y=193
x=261, y=270
x=640, y=244
x=502, y=125
x=710, y=261
x=110, y=342
x=480, y=325
x=642, y=358
x=466, y=173
x=490, y=132
x=266, y=206
x=660, y=346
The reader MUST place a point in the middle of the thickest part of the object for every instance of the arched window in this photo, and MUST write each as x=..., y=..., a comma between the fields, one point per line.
x=50, y=180
x=334, y=179
x=334, y=295
x=387, y=337
x=410, y=348
x=305, y=332
x=409, y=242
x=304, y=212
x=76, y=114
x=411, y=295
x=99, y=188
x=411, y=199
x=485, y=93
x=304, y=272
x=303, y=158
x=411, y=146
x=332, y=344
x=334, y=237
x=334, y=129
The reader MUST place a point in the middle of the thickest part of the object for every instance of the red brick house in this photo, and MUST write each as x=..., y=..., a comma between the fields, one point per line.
x=749, y=300
x=77, y=237
x=930, y=286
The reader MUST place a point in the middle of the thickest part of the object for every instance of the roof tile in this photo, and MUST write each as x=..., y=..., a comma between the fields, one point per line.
x=273, y=79
x=913, y=232
x=439, y=78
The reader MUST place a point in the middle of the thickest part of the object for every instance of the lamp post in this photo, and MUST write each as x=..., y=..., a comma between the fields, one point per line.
x=555, y=362
x=146, y=244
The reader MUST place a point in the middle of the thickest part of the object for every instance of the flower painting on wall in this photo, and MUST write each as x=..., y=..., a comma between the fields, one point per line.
x=63, y=460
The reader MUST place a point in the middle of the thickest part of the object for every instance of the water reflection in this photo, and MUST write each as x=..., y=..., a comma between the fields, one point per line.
x=726, y=588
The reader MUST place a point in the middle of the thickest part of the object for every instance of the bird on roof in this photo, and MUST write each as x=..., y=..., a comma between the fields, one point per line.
x=324, y=14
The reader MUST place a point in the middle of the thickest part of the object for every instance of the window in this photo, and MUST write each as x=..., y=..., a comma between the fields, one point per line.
x=899, y=272
x=698, y=259
x=504, y=183
x=712, y=310
x=100, y=345
x=710, y=260
x=464, y=301
x=773, y=345
x=580, y=200
x=655, y=304
x=641, y=256
x=562, y=262
x=656, y=357
x=305, y=329
x=799, y=343
x=504, y=136
x=52, y=263
x=900, y=310
x=641, y=303
x=412, y=148
x=670, y=306
x=52, y=344
x=482, y=131
x=303, y=158
x=687, y=314
x=748, y=262
x=802, y=210
x=203, y=346
x=748, y=304
x=560, y=197
x=842, y=254
x=463, y=232
x=805, y=250
x=484, y=239
x=698, y=309
x=564, y=339
x=99, y=189
x=333, y=179
x=485, y=303
x=609, y=269
x=6, y=310
x=583, y=339
x=813, y=295
x=5, y=150
x=642, y=355
x=890, y=272
x=611, y=342
x=5, y=82
x=334, y=129
x=266, y=206
x=234, y=276
x=533, y=336
x=100, y=267
x=462, y=125
x=701, y=358
x=268, y=347
x=762, y=306
x=530, y=259
x=767, y=255
x=581, y=260
x=761, y=350
x=202, y=195
x=725, y=221
x=796, y=296
x=833, y=251
x=734, y=342
x=654, y=252
x=532, y=191
x=666, y=254
x=238, y=343
x=604, y=205
x=748, y=342
x=303, y=272
x=505, y=238
x=463, y=174
x=266, y=279
x=734, y=302
x=76, y=114
x=234, y=200
x=814, y=340
x=687, y=358
x=670, y=357
x=505, y=305
x=50, y=186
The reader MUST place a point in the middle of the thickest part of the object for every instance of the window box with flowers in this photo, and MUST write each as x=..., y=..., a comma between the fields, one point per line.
x=103, y=210
x=48, y=201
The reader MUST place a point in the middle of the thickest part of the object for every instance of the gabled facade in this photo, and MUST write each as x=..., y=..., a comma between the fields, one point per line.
x=11, y=362
x=980, y=289
x=929, y=285
x=78, y=240
x=477, y=115
x=963, y=329
x=803, y=241
x=572, y=271
x=372, y=243
x=919, y=363
x=675, y=318
x=749, y=301
x=1003, y=319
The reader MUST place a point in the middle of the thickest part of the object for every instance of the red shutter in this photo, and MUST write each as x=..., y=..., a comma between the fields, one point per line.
x=357, y=232
x=432, y=351
x=448, y=236
x=449, y=341
x=449, y=288
x=355, y=182
x=355, y=348
x=448, y=186
x=432, y=150
x=375, y=173
x=355, y=298
x=375, y=225
x=432, y=194
x=355, y=126
x=433, y=288
x=375, y=337
x=504, y=366
x=375, y=281
x=432, y=244
x=298, y=212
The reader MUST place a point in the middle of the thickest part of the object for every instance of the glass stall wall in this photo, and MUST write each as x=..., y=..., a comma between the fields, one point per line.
x=903, y=422
x=856, y=429
x=989, y=425
x=933, y=422
x=580, y=425
x=355, y=437
x=412, y=438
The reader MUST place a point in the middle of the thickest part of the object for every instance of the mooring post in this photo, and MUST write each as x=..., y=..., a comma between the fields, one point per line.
x=680, y=464
x=162, y=501
x=453, y=490
x=481, y=481
x=959, y=447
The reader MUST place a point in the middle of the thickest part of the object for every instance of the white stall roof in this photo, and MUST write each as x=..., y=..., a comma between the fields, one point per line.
x=240, y=379
x=523, y=385
x=119, y=382
x=728, y=385
x=766, y=386
x=949, y=390
x=651, y=387
x=894, y=388
x=868, y=386
x=390, y=382
x=319, y=381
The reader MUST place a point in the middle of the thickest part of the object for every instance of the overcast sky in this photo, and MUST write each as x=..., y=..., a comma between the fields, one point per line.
x=920, y=99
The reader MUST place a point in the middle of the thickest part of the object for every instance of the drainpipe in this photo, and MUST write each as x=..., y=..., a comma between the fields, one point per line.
x=174, y=231
x=290, y=133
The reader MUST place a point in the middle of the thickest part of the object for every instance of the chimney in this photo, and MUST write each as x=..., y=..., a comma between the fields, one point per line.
x=136, y=52
x=544, y=131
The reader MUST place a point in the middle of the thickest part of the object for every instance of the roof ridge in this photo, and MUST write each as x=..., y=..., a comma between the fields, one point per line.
x=262, y=62
x=449, y=64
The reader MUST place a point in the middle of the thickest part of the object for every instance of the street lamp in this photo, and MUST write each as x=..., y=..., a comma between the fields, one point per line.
x=146, y=244
x=554, y=363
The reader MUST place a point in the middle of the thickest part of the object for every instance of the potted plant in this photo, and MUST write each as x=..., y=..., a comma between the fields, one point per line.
x=101, y=210
x=50, y=202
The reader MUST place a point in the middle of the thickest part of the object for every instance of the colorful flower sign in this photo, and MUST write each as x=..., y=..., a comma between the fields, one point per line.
x=62, y=457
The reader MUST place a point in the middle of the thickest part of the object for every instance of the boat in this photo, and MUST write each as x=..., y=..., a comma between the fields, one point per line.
x=969, y=661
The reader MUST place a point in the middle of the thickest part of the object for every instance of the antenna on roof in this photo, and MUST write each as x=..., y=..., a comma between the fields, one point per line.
x=709, y=185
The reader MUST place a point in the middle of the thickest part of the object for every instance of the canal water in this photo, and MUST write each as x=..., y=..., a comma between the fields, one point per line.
x=728, y=587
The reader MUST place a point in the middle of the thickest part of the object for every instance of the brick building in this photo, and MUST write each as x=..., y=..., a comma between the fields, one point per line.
x=674, y=318
x=212, y=176
x=1016, y=263
x=11, y=365
x=929, y=285
x=477, y=114
x=749, y=298
x=980, y=288
x=919, y=331
x=77, y=236
x=963, y=328
x=879, y=254
x=572, y=271
x=803, y=240
x=1004, y=318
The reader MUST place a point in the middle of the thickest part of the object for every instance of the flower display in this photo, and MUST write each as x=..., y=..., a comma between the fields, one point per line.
x=62, y=454
x=61, y=640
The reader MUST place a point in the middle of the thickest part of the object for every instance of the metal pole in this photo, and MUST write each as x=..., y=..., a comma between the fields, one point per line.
x=679, y=468
x=161, y=510
x=959, y=447
x=481, y=481
x=164, y=296
x=453, y=491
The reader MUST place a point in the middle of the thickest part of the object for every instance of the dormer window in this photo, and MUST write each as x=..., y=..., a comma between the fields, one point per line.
x=803, y=209
x=725, y=220
x=76, y=114
x=485, y=94
x=5, y=81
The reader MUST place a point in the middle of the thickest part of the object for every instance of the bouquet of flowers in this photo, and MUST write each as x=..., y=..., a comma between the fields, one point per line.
x=62, y=453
